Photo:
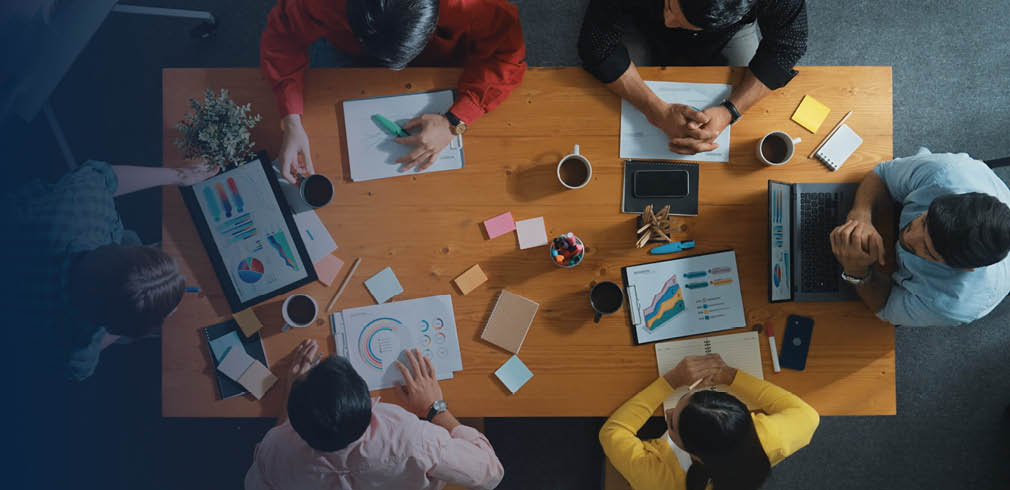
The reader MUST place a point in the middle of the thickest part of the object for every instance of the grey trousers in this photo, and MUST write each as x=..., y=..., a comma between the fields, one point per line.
x=738, y=51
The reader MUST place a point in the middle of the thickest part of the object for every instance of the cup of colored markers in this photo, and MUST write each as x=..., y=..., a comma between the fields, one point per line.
x=567, y=251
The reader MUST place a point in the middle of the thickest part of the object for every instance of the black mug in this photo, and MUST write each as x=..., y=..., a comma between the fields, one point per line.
x=605, y=297
x=316, y=190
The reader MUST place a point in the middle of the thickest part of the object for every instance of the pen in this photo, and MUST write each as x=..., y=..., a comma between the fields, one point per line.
x=192, y=289
x=674, y=247
x=695, y=384
x=771, y=346
x=390, y=126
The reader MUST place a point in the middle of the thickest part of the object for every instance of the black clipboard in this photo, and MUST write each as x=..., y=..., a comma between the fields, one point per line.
x=220, y=268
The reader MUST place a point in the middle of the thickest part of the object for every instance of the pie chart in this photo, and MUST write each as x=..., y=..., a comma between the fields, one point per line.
x=250, y=270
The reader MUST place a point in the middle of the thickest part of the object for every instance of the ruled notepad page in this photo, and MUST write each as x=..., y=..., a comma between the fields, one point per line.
x=739, y=350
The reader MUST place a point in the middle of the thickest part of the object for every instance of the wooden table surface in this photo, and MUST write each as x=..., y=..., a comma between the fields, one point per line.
x=428, y=229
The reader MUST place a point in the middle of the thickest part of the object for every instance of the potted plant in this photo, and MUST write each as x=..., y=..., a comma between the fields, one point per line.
x=217, y=131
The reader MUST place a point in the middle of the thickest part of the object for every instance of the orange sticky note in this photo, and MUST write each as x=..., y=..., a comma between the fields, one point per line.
x=469, y=280
x=327, y=268
x=247, y=322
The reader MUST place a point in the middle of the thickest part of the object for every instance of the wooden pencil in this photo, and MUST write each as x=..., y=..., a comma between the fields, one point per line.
x=832, y=133
x=343, y=284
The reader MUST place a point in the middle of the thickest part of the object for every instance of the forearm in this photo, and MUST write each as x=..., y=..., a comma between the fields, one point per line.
x=630, y=87
x=875, y=291
x=134, y=178
x=446, y=420
x=872, y=198
x=748, y=92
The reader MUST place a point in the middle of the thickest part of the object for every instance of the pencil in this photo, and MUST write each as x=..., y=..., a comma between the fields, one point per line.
x=832, y=133
x=695, y=384
x=343, y=285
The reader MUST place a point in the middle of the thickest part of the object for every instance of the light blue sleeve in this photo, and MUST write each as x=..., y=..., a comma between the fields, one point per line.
x=905, y=175
x=911, y=310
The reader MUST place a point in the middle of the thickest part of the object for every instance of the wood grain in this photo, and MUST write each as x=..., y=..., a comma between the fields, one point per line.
x=427, y=228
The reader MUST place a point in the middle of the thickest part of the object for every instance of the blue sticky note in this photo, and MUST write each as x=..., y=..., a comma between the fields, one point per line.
x=220, y=345
x=513, y=374
x=383, y=285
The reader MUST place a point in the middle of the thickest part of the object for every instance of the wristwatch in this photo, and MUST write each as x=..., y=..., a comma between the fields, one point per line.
x=436, y=408
x=456, y=127
x=856, y=281
x=734, y=114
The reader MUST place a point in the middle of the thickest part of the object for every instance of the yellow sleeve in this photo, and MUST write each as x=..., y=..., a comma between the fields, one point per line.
x=787, y=424
x=640, y=462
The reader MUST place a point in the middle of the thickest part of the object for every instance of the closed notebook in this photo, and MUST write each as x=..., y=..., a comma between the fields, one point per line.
x=253, y=346
x=839, y=147
x=510, y=321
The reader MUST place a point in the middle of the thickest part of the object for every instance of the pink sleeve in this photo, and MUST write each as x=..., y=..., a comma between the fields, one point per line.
x=464, y=457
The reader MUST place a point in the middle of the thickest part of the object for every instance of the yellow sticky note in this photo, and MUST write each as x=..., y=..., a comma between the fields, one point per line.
x=810, y=114
x=247, y=322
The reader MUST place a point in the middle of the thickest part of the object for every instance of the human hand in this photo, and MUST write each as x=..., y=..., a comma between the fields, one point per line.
x=710, y=369
x=857, y=245
x=685, y=128
x=296, y=142
x=428, y=143
x=196, y=173
x=421, y=388
x=303, y=358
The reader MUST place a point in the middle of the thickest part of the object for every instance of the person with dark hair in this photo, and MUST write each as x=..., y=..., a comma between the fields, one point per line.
x=617, y=35
x=331, y=435
x=712, y=437
x=81, y=281
x=950, y=261
x=482, y=35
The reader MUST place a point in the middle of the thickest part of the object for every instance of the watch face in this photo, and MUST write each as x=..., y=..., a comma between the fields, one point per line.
x=440, y=405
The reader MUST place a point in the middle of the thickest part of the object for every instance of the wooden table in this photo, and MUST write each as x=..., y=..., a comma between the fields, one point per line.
x=428, y=229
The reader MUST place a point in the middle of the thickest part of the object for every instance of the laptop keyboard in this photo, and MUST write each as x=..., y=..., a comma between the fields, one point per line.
x=819, y=270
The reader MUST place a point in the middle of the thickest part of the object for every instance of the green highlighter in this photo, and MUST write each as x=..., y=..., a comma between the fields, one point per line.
x=390, y=126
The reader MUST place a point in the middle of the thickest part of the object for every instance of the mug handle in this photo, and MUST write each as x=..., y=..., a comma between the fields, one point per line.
x=576, y=150
x=797, y=140
x=596, y=319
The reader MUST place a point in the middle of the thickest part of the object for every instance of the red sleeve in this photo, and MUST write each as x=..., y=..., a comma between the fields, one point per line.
x=292, y=26
x=495, y=59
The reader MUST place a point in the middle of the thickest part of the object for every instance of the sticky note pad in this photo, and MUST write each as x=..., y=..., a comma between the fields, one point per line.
x=499, y=225
x=247, y=322
x=510, y=321
x=235, y=363
x=810, y=114
x=327, y=268
x=532, y=233
x=469, y=280
x=219, y=346
x=383, y=285
x=513, y=374
x=257, y=379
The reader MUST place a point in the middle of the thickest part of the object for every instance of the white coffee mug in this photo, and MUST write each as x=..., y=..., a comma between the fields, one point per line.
x=288, y=322
x=789, y=142
x=575, y=156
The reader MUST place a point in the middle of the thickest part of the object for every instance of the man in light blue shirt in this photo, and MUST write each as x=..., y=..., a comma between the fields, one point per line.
x=951, y=257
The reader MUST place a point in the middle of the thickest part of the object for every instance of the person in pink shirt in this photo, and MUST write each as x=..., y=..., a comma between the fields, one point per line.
x=332, y=435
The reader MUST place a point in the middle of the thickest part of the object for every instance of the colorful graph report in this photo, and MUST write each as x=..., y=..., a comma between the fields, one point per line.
x=666, y=305
x=250, y=270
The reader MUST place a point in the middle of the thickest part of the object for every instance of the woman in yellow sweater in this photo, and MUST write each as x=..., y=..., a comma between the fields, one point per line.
x=730, y=447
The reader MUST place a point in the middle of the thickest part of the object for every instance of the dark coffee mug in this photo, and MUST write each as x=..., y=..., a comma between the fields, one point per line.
x=605, y=297
x=316, y=190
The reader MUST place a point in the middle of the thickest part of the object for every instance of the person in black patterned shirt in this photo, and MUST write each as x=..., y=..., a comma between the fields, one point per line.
x=694, y=33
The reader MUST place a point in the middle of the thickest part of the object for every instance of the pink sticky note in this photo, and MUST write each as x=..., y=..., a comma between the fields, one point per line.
x=327, y=268
x=499, y=225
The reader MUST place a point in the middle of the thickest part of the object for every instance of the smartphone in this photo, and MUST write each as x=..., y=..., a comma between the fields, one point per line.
x=796, y=342
x=661, y=183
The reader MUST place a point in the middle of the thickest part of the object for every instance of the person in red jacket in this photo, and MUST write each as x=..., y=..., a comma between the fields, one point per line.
x=482, y=35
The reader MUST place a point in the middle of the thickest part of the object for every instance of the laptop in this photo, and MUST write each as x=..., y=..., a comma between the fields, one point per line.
x=802, y=266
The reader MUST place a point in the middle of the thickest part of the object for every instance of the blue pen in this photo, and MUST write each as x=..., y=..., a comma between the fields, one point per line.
x=192, y=289
x=674, y=247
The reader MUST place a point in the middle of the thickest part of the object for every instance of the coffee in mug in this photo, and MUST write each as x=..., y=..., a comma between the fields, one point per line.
x=574, y=170
x=316, y=190
x=299, y=310
x=776, y=148
x=605, y=297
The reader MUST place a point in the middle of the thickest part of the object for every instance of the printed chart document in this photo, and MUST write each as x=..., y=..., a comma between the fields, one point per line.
x=372, y=150
x=641, y=140
x=373, y=337
x=684, y=296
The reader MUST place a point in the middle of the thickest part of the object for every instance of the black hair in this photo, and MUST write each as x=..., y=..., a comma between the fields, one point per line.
x=969, y=230
x=715, y=14
x=717, y=428
x=329, y=406
x=129, y=290
x=393, y=32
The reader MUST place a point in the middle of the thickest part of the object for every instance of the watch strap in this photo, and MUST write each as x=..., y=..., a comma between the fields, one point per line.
x=856, y=281
x=734, y=114
x=453, y=120
x=437, y=407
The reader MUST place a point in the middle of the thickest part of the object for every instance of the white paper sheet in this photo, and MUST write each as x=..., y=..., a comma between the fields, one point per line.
x=318, y=241
x=640, y=139
x=739, y=350
x=371, y=149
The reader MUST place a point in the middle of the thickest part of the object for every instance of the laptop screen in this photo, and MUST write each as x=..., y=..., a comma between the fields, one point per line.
x=780, y=286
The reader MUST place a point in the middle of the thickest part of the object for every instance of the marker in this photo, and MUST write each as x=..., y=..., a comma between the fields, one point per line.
x=771, y=346
x=192, y=289
x=390, y=126
x=674, y=247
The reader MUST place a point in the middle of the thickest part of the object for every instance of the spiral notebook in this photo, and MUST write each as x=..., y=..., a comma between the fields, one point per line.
x=839, y=147
x=222, y=337
x=739, y=350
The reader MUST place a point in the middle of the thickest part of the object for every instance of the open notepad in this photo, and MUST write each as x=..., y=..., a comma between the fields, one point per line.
x=739, y=350
x=839, y=147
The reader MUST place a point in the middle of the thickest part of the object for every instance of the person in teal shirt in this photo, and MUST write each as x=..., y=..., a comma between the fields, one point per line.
x=951, y=263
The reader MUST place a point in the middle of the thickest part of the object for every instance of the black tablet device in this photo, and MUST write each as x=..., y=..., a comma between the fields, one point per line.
x=246, y=227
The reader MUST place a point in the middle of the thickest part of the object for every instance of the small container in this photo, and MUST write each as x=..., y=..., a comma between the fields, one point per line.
x=567, y=251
